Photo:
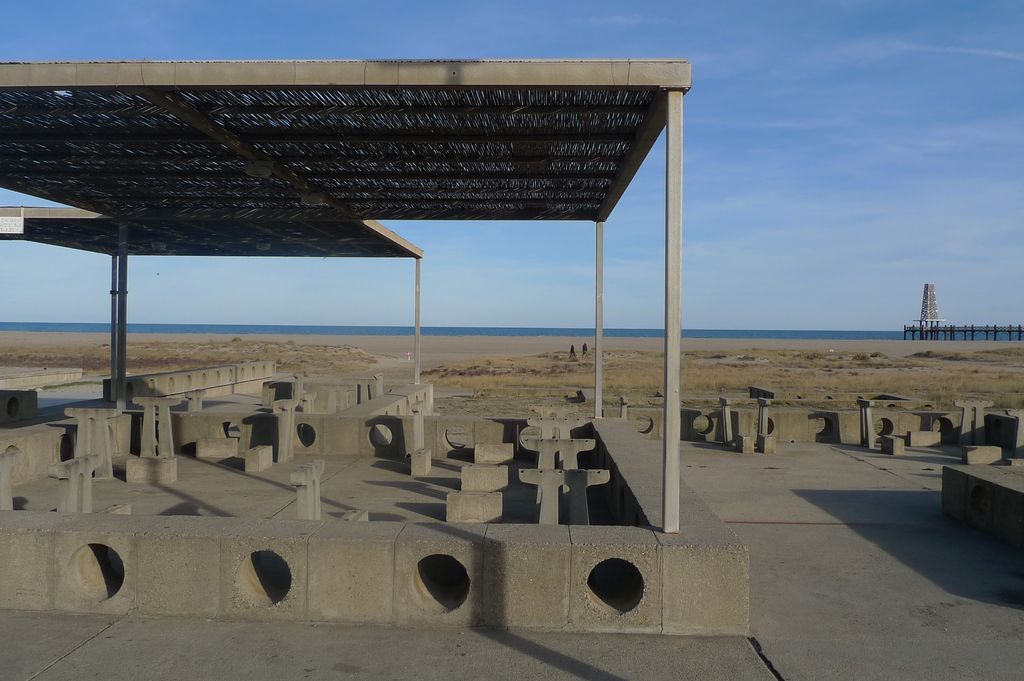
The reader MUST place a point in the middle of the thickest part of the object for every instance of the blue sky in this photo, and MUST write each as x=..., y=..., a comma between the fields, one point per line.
x=838, y=155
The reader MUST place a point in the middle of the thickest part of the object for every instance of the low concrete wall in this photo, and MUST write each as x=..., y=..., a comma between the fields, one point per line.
x=226, y=379
x=988, y=498
x=41, y=445
x=505, y=576
x=716, y=578
x=801, y=424
x=28, y=379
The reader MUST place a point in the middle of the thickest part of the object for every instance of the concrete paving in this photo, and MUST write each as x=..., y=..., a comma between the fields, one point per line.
x=50, y=647
x=856, y=574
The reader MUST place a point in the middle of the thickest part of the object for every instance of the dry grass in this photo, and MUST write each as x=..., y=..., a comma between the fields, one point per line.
x=814, y=377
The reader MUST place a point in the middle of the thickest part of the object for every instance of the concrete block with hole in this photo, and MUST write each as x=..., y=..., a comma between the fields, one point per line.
x=923, y=438
x=615, y=580
x=179, y=566
x=745, y=444
x=159, y=470
x=473, y=507
x=988, y=498
x=95, y=560
x=419, y=463
x=439, y=574
x=981, y=455
x=705, y=577
x=26, y=560
x=494, y=454
x=893, y=445
x=216, y=448
x=18, y=405
x=526, y=584
x=486, y=431
x=766, y=444
x=484, y=478
x=263, y=569
x=259, y=459
x=351, y=572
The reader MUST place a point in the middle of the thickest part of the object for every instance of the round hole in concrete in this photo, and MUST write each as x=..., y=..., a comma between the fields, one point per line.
x=643, y=424
x=231, y=429
x=65, y=448
x=98, y=570
x=885, y=426
x=771, y=425
x=947, y=430
x=13, y=407
x=700, y=424
x=306, y=433
x=457, y=437
x=441, y=582
x=616, y=584
x=936, y=426
x=265, y=578
x=825, y=427
x=381, y=435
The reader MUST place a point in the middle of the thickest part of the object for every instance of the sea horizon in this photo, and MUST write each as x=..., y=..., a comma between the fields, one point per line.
x=329, y=330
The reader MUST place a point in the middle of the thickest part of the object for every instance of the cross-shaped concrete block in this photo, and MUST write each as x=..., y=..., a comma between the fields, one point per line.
x=94, y=434
x=75, y=478
x=157, y=432
x=285, y=412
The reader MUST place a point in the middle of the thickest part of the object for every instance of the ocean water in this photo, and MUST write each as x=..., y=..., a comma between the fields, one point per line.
x=243, y=329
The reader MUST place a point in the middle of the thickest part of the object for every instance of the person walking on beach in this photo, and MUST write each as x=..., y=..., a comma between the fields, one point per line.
x=572, y=351
x=584, y=349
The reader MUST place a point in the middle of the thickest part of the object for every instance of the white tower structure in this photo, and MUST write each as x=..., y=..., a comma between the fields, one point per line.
x=929, y=307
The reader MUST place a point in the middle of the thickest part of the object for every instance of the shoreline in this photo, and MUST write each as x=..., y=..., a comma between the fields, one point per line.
x=447, y=348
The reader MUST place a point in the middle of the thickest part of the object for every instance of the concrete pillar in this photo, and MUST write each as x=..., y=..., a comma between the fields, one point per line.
x=195, y=400
x=121, y=377
x=578, y=481
x=727, y=436
x=1018, y=438
x=93, y=436
x=623, y=408
x=598, y=319
x=972, y=424
x=157, y=410
x=673, y=305
x=867, y=423
x=75, y=484
x=113, y=329
x=762, y=416
x=417, y=428
x=285, y=412
x=548, y=483
x=7, y=458
x=416, y=330
x=306, y=478
x=378, y=385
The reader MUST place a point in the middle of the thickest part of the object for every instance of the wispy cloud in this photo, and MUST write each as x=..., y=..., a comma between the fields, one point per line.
x=623, y=20
x=968, y=51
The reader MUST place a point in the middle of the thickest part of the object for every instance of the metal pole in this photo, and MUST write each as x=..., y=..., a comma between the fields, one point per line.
x=598, y=319
x=416, y=330
x=673, y=303
x=122, y=316
x=113, y=328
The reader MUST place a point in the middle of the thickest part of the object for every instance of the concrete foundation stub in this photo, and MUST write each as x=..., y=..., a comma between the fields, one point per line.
x=306, y=479
x=745, y=444
x=981, y=455
x=473, y=507
x=766, y=444
x=161, y=470
x=893, y=445
x=481, y=478
x=217, y=448
x=493, y=453
x=420, y=463
x=259, y=459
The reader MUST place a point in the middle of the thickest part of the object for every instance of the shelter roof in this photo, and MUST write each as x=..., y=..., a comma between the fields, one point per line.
x=205, y=150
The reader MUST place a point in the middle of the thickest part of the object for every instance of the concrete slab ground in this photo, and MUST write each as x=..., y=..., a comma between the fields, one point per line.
x=52, y=647
x=382, y=487
x=856, y=574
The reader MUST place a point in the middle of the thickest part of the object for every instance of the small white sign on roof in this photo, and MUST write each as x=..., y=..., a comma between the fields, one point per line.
x=12, y=225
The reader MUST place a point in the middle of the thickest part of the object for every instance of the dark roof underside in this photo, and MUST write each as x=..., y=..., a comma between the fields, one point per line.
x=174, y=156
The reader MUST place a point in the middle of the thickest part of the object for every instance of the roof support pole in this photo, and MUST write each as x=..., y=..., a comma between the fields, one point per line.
x=113, y=328
x=598, y=318
x=121, y=378
x=416, y=329
x=673, y=304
